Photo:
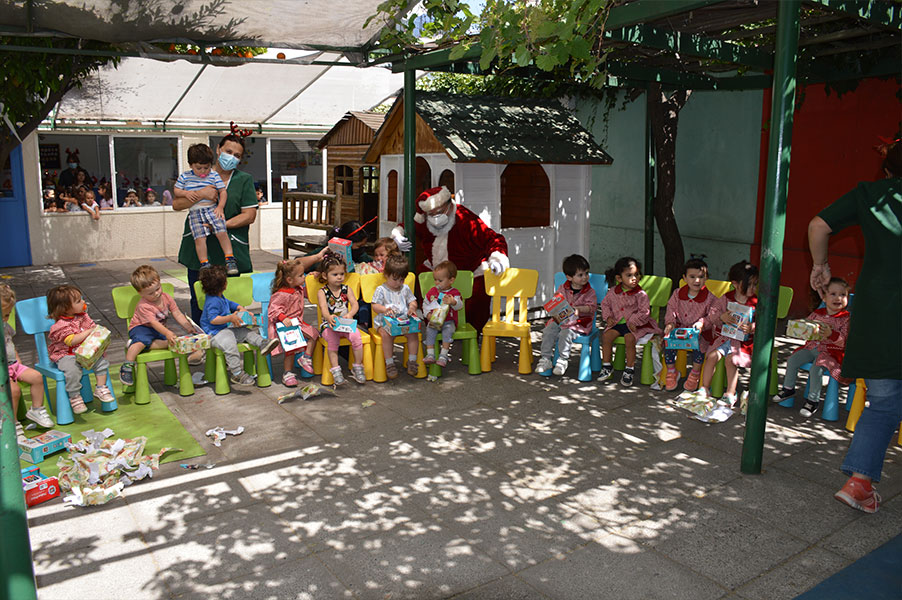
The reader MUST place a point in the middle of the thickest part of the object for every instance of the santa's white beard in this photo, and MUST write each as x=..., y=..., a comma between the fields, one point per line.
x=444, y=229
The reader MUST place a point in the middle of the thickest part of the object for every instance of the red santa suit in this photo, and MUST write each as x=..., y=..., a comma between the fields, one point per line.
x=467, y=242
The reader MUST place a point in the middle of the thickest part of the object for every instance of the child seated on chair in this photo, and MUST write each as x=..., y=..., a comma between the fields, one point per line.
x=335, y=299
x=825, y=353
x=19, y=372
x=287, y=303
x=221, y=320
x=72, y=327
x=205, y=216
x=626, y=302
x=744, y=277
x=582, y=299
x=442, y=293
x=393, y=298
x=147, y=328
x=688, y=308
x=381, y=251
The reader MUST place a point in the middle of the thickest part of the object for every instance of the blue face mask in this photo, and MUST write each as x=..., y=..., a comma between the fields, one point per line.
x=227, y=161
x=73, y=165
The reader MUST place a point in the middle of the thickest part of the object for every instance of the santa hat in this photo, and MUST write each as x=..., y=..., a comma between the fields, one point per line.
x=430, y=200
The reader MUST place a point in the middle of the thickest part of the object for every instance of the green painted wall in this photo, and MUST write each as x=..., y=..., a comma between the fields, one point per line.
x=718, y=144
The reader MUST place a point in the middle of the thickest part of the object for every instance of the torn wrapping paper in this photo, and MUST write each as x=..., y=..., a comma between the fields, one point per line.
x=691, y=401
x=305, y=393
x=97, y=468
x=219, y=433
x=93, y=347
x=804, y=329
x=718, y=414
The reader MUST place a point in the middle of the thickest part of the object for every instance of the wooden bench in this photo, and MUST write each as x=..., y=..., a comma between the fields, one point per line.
x=309, y=210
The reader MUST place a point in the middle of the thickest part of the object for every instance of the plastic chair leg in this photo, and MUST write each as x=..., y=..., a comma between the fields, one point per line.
x=368, y=361
x=210, y=365
x=326, y=377
x=318, y=358
x=64, y=414
x=221, y=382
x=378, y=362
x=142, y=384
x=494, y=351
x=250, y=362
x=485, y=355
x=186, y=384
x=87, y=392
x=421, y=366
x=850, y=395
x=472, y=349
x=525, y=360
x=681, y=362
x=619, y=357
x=264, y=377
x=595, y=356
x=169, y=373
x=647, y=374
x=857, y=405
x=585, y=363
x=719, y=381
x=831, y=401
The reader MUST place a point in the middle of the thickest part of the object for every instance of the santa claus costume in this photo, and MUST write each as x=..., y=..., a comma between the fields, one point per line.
x=464, y=239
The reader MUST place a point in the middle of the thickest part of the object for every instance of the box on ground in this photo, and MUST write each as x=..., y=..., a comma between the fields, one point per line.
x=36, y=449
x=38, y=487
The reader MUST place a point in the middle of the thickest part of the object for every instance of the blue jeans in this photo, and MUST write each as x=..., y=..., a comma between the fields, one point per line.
x=875, y=428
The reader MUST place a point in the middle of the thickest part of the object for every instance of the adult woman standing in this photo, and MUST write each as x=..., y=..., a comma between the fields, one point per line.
x=874, y=346
x=240, y=211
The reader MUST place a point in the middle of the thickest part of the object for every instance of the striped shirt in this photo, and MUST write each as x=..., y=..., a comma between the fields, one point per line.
x=189, y=182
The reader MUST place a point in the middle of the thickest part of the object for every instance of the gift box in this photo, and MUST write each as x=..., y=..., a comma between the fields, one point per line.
x=248, y=319
x=438, y=316
x=559, y=309
x=186, y=344
x=343, y=325
x=291, y=336
x=804, y=329
x=93, y=347
x=682, y=338
x=743, y=314
x=342, y=248
x=38, y=487
x=36, y=449
x=401, y=325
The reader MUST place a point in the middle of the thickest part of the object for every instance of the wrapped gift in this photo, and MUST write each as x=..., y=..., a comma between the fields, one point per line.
x=401, y=325
x=438, y=316
x=743, y=314
x=38, y=487
x=93, y=347
x=36, y=449
x=559, y=309
x=804, y=329
x=343, y=325
x=342, y=248
x=290, y=336
x=186, y=344
x=682, y=338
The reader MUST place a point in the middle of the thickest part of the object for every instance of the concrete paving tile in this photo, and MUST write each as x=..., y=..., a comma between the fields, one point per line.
x=334, y=417
x=615, y=567
x=417, y=563
x=301, y=474
x=718, y=542
x=866, y=532
x=127, y=576
x=224, y=546
x=795, y=576
x=509, y=587
x=779, y=441
x=376, y=451
x=793, y=505
x=416, y=400
x=305, y=579
x=518, y=534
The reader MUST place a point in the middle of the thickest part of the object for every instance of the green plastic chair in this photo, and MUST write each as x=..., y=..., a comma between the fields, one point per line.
x=658, y=289
x=241, y=291
x=719, y=380
x=125, y=299
x=466, y=332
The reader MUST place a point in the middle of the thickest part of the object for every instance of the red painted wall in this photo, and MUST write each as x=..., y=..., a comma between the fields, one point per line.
x=833, y=143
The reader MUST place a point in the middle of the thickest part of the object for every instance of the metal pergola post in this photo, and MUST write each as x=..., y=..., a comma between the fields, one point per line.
x=649, y=188
x=776, y=190
x=410, y=160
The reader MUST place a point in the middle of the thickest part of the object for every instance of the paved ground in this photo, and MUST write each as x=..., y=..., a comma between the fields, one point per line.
x=497, y=486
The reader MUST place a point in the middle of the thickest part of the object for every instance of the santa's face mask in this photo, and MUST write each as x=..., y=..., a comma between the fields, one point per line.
x=439, y=221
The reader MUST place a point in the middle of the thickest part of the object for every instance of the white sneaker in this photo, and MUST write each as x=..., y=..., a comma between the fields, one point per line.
x=39, y=415
x=560, y=367
x=543, y=365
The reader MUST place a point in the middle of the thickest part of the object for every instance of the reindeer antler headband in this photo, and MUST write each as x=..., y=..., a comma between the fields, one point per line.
x=242, y=133
x=883, y=147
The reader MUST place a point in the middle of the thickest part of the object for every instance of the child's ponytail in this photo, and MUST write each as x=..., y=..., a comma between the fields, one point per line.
x=284, y=269
x=744, y=273
x=623, y=263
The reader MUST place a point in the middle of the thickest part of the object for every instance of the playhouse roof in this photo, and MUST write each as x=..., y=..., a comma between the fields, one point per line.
x=498, y=130
x=356, y=127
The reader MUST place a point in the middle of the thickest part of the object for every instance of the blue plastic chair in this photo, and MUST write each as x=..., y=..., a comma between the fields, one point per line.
x=262, y=294
x=590, y=354
x=33, y=317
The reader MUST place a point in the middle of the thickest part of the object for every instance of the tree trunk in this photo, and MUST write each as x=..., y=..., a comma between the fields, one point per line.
x=9, y=141
x=664, y=112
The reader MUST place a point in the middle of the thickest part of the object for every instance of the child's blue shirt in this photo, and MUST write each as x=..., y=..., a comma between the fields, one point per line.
x=216, y=306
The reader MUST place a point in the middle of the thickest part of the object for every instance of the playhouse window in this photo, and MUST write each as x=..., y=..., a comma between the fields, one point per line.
x=344, y=177
x=369, y=178
x=392, y=196
x=423, y=177
x=447, y=179
x=145, y=162
x=525, y=196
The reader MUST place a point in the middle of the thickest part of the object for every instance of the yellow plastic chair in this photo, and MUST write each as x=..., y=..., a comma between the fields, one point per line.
x=368, y=285
x=516, y=287
x=716, y=287
x=658, y=290
x=466, y=332
x=858, y=407
x=241, y=291
x=125, y=299
x=321, y=352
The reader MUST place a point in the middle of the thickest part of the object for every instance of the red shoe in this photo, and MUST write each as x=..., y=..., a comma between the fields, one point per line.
x=854, y=494
x=673, y=378
x=692, y=380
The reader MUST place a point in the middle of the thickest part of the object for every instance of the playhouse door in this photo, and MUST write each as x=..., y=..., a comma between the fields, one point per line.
x=15, y=249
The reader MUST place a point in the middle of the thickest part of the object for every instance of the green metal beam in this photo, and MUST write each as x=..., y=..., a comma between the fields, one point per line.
x=436, y=58
x=643, y=11
x=878, y=12
x=690, y=44
x=776, y=191
x=410, y=161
